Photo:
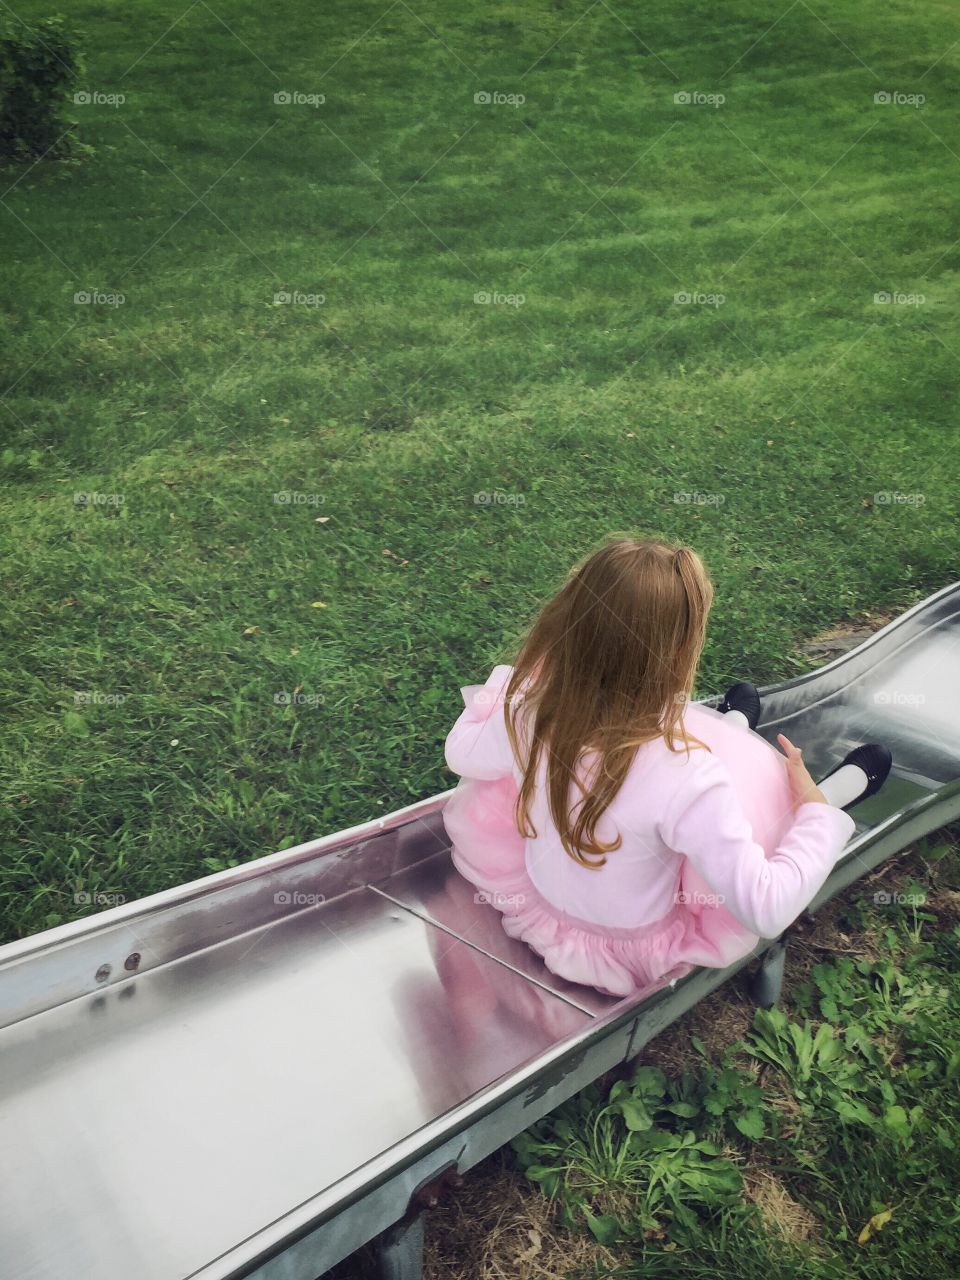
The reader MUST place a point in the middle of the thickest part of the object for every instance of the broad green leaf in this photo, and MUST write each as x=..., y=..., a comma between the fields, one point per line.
x=549, y=1179
x=604, y=1227
x=74, y=723
x=685, y=1109
x=896, y=1120
x=649, y=1082
x=854, y=1111
x=635, y=1114
x=750, y=1124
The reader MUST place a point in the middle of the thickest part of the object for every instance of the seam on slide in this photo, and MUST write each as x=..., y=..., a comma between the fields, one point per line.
x=453, y=934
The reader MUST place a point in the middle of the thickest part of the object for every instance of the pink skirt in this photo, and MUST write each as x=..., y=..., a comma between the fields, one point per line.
x=488, y=851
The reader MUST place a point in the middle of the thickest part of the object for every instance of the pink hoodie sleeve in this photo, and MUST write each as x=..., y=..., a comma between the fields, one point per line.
x=707, y=823
x=477, y=746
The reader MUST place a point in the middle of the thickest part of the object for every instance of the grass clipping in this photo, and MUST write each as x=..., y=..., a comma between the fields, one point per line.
x=501, y=1228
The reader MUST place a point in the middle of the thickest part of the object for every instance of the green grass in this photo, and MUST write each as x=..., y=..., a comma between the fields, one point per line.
x=595, y=402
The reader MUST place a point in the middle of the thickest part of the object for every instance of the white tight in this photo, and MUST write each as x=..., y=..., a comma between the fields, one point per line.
x=843, y=787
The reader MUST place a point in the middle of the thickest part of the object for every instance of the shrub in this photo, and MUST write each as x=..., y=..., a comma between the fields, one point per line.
x=39, y=66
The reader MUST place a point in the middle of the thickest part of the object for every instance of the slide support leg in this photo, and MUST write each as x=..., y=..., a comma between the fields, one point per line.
x=768, y=983
x=400, y=1249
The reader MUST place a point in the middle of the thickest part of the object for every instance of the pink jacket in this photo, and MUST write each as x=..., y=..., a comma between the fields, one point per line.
x=674, y=813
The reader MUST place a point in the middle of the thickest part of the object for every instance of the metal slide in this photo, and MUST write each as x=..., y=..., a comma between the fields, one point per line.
x=255, y=1073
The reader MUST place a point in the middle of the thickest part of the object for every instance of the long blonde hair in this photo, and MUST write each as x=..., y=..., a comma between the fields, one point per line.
x=608, y=664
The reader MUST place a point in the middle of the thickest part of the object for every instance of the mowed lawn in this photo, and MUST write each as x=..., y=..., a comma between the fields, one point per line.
x=268, y=510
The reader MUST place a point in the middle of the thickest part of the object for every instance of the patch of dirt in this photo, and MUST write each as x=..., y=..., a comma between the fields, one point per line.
x=504, y=1230
x=720, y=1020
x=945, y=904
x=842, y=638
x=779, y=1209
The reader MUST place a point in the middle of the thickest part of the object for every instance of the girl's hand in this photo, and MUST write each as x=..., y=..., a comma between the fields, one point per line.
x=803, y=786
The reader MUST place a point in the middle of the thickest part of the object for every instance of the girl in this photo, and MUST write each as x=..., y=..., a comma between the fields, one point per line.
x=626, y=834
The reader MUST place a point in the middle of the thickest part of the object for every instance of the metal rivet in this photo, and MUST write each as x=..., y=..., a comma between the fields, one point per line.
x=103, y=973
x=132, y=960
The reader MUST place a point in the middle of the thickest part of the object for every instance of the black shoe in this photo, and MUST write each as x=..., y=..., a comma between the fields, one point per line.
x=744, y=698
x=875, y=761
